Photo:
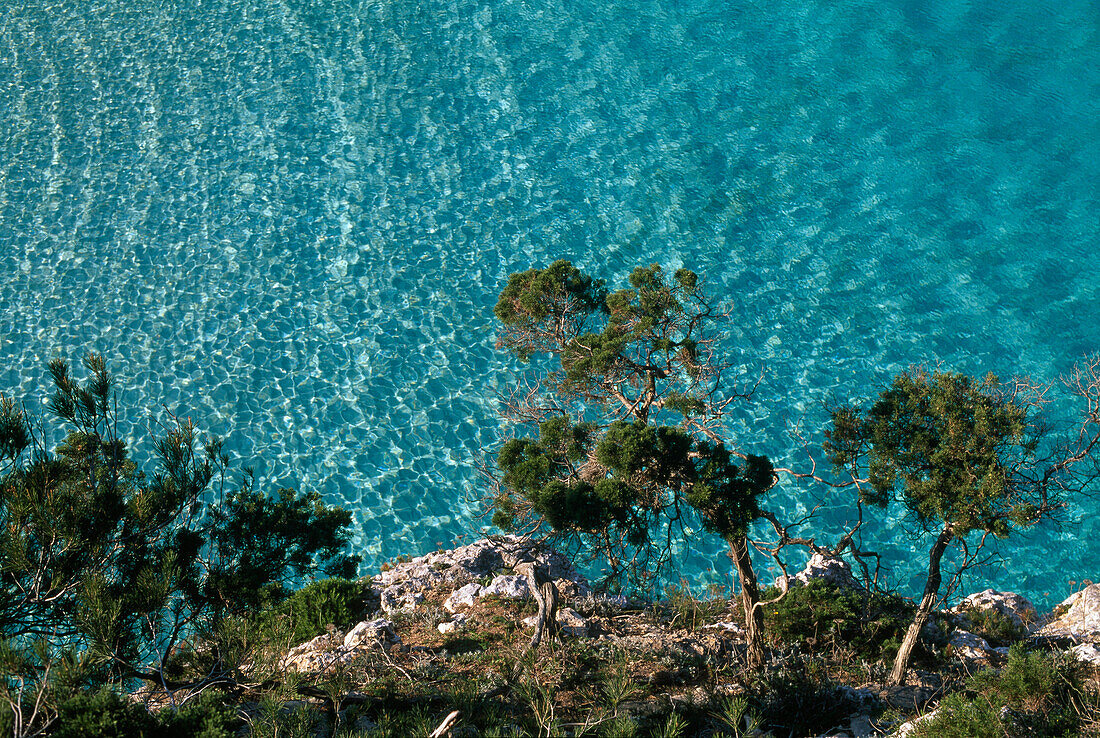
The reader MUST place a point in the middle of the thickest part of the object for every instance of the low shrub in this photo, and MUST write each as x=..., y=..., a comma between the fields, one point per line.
x=105, y=714
x=799, y=698
x=1035, y=694
x=994, y=626
x=824, y=617
x=338, y=602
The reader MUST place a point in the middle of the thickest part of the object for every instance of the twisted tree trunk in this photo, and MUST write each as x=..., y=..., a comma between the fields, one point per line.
x=545, y=592
x=931, y=590
x=750, y=602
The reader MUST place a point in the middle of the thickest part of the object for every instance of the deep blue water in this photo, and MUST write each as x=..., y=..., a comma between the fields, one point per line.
x=289, y=220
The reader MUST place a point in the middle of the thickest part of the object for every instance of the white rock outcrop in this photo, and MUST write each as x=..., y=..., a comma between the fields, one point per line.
x=833, y=571
x=1077, y=617
x=330, y=649
x=462, y=597
x=1016, y=608
x=968, y=646
x=1086, y=652
x=508, y=586
x=370, y=633
x=403, y=585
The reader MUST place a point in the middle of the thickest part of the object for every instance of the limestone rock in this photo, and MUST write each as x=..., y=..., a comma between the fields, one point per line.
x=969, y=646
x=1016, y=608
x=907, y=728
x=570, y=621
x=680, y=646
x=329, y=649
x=1077, y=617
x=508, y=586
x=402, y=585
x=400, y=599
x=369, y=633
x=455, y=625
x=1087, y=652
x=313, y=655
x=836, y=572
x=462, y=597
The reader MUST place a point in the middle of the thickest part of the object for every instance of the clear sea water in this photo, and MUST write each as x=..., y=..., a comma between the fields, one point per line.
x=289, y=219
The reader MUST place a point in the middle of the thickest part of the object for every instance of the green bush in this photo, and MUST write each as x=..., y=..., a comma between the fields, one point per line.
x=1035, y=694
x=339, y=602
x=206, y=716
x=824, y=617
x=105, y=714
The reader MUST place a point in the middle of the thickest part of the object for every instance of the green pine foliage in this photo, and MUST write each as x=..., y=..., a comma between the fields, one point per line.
x=310, y=610
x=620, y=422
x=945, y=445
x=826, y=619
x=961, y=456
x=800, y=698
x=109, y=566
x=623, y=433
x=105, y=714
x=1036, y=694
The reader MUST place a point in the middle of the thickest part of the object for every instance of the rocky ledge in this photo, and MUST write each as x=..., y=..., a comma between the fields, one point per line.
x=446, y=603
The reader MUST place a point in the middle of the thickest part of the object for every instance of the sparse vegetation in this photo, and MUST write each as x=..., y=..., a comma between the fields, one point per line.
x=1037, y=693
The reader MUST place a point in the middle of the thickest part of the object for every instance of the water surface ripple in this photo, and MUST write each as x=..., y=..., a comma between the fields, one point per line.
x=289, y=220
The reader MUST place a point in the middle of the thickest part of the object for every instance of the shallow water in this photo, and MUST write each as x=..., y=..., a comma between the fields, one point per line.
x=289, y=220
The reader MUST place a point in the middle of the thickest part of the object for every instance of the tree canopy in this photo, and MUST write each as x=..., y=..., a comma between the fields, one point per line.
x=621, y=419
x=947, y=447
x=117, y=564
x=622, y=408
x=962, y=455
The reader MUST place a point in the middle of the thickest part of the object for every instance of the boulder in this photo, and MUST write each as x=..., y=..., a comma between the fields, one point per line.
x=833, y=571
x=326, y=650
x=1078, y=616
x=462, y=597
x=1086, y=652
x=402, y=585
x=400, y=599
x=971, y=647
x=314, y=655
x=455, y=625
x=370, y=633
x=508, y=586
x=573, y=623
x=1016, y=608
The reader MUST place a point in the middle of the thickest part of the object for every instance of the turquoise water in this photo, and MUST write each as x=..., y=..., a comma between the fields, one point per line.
x=289, y=220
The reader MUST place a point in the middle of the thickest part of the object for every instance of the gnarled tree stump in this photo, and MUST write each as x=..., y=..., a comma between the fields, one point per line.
x=545, y=592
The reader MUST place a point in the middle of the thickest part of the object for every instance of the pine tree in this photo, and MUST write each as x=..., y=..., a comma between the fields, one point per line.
x=620, y=420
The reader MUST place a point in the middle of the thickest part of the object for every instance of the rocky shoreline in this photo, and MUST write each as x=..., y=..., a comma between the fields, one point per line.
x=431, y=607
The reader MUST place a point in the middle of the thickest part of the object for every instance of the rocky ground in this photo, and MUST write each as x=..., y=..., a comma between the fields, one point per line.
x=451, y=629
